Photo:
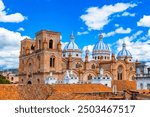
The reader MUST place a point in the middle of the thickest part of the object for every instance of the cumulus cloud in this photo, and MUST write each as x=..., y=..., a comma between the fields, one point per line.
x=63, y=44
x=5, y=17
x=116, y=25
x=90, y=48
x=83, y=33
x=139, y=49
x=10, y=47
x=123, y=31
x=128, y=14
x=96, y=18
x=145, y=21
x=119, y=30
x=148, y=33
x=20, y=29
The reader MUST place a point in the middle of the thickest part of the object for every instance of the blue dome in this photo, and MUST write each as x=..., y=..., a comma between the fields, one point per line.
x=100, y=45
x=71, y=45
x=101, y=50
x=72, y=49
x=124, y=52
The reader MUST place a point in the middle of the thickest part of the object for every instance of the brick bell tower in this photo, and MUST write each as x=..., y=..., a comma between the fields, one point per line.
x=39, y=57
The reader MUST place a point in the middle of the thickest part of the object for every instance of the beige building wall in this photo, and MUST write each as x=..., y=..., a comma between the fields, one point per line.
x=35, y=65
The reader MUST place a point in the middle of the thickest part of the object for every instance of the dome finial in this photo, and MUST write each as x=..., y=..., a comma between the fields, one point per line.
x=87, y=51
x=124, y=45
x=101, y=37
x=72, y=36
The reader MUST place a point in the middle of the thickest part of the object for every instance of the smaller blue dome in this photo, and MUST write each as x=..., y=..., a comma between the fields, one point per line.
x=124, y=52
x=71, y=45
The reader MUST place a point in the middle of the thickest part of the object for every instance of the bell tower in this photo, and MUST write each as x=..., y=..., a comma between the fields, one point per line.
x=50, y=49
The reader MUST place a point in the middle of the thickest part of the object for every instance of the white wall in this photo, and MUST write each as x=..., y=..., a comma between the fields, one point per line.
x=144, y=81
x=50, y=81
x=73, y=54
x=101, y=81
x=71, y=81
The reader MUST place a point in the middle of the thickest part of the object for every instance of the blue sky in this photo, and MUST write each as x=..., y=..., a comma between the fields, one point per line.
x=117, y=20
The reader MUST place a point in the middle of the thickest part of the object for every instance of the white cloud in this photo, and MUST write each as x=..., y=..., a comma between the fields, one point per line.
x=90, y=48
x=63, y=44
x=4, y=17
x=139, y=49
x=20, y=29
x=145, y=21
x=10, y=47
x=83, y=33
x=96, y=18
x=119, y=30
x=123, y=31
x=128, y=14
x=116, y=25
x=148, y=33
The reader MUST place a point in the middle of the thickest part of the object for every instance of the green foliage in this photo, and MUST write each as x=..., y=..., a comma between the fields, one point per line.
x=3, y=80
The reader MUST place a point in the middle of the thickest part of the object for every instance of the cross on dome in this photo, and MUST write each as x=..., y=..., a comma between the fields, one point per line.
x=101, y=37
x=124, y=45
x=72, y=37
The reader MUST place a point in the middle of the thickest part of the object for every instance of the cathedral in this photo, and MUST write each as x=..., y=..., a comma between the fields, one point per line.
x=43, y=61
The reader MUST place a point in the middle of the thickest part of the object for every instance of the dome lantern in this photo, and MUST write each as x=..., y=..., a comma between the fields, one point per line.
x=101, y=37
x=124, y=45
x=72, y=37
x=87, y=51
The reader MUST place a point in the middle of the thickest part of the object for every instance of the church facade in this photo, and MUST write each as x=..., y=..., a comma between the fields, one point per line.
x=44, y=61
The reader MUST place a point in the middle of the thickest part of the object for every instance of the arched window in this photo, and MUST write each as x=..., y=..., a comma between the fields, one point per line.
x=32, y=47
x=30, y=68
x=89, y=77
x=77, y=65
x=141, y=86
x=52, y=62
x=12, y=78
x=29, y=82
x=39, y=44
x=38, y=81
x=51, y=44
x=23, y=66
x=120, y=71
x=93, y=66
x=148, y=86
x=23, y=50
x=38, y=62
